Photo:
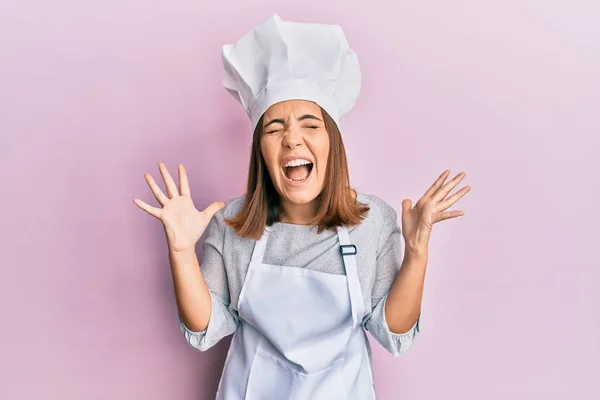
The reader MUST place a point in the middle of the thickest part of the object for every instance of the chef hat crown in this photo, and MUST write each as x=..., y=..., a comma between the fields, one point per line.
x=282, y=60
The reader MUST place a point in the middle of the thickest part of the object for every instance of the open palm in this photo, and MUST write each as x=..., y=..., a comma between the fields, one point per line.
x=183, y=223
x=417, y=221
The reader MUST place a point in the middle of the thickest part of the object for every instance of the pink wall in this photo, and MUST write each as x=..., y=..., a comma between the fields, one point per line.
x=93, y=94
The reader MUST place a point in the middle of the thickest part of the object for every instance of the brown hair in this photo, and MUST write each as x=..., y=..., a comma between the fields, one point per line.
x=337, y=203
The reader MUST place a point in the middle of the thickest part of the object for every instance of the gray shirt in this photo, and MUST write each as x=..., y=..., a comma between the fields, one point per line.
x=226, y=255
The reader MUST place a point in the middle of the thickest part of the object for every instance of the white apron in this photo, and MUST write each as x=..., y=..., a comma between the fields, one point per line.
x=300, y=335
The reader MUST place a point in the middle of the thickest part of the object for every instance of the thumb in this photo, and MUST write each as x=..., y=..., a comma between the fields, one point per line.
x=406, y=205
x=213, y=208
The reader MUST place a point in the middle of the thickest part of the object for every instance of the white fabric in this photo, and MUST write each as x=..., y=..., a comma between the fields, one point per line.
x=282, y=60
x=303, y=346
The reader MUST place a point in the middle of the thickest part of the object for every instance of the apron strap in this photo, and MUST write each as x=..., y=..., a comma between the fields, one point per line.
x=349, y=251
x=259, y=248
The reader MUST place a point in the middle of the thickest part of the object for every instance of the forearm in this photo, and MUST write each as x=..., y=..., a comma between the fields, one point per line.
x=403, y=304
x=191, y=292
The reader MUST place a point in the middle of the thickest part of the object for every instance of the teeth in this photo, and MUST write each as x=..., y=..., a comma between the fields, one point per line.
x=296, y=163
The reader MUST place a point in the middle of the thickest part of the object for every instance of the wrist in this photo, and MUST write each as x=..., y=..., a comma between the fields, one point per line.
x=175, y=244
x=182, y=251
x=416, y=256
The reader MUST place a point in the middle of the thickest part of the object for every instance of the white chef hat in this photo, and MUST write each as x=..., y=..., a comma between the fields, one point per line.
x=282, y=60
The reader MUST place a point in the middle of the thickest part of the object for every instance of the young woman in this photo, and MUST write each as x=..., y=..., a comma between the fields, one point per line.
x=301, y=265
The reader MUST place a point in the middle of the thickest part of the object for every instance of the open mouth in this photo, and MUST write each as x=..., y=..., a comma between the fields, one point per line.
x=297, y=171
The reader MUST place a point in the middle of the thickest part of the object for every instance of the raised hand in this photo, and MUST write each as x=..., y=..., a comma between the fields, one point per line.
x=418, y=221
x=183, y=223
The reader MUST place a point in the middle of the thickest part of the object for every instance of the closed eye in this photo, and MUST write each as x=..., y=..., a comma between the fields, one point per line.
x=309, y=127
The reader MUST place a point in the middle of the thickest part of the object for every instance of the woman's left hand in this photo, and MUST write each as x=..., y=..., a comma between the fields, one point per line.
x=418, y=221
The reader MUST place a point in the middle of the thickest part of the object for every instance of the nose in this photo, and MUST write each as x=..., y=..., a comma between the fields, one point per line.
x=292, y=138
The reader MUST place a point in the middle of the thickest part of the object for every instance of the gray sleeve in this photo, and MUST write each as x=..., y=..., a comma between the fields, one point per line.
x=223, y=321
x=389, y=261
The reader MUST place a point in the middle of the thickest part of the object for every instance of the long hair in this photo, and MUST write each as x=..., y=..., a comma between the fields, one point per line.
x=337, y=203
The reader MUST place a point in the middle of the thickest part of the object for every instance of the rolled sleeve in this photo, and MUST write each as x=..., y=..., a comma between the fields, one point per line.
x=396, y=343
x=223, y=319
x=222, y=322
x=389, y=261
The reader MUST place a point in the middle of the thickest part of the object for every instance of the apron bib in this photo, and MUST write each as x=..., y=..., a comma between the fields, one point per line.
x=300, y=334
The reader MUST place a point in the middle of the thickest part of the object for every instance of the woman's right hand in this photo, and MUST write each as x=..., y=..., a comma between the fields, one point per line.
x=183, y=223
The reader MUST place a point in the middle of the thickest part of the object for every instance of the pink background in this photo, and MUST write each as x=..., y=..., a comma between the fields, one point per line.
x=93, y=94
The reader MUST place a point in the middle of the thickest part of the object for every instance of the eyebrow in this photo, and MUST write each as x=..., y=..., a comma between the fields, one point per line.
x=302, y=118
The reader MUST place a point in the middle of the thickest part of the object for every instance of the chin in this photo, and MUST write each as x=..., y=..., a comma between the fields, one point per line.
x=301, y=196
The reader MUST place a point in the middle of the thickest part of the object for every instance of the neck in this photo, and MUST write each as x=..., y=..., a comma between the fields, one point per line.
x=300, y=214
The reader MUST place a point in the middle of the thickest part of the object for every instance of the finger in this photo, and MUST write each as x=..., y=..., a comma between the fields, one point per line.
x=453, y=199
x=155, y=212
x=406, y=205
x=212, y=209
x=444, y=190
x=169, y=182
x=184, y=185
x=158, y=193
x=436, y=185
x=450, y=214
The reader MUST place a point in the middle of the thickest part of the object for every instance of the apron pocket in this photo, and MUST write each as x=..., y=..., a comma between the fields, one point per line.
x=270, y=379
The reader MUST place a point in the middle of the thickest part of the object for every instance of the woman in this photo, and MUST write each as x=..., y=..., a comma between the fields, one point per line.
x=302, y=265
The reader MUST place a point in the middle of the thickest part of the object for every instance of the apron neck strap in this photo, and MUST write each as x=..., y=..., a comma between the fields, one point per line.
x=259, y=247
x=349, y=251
